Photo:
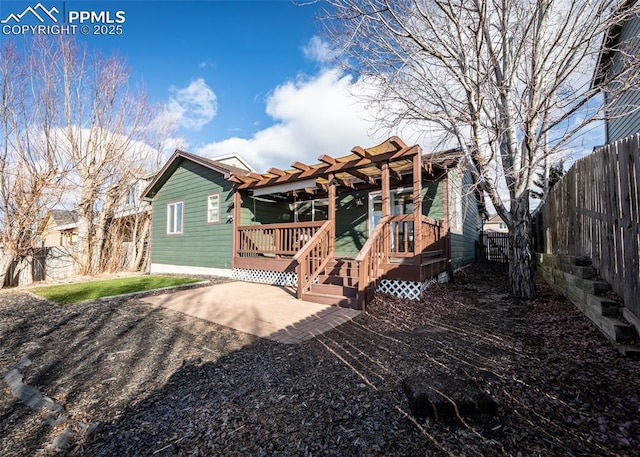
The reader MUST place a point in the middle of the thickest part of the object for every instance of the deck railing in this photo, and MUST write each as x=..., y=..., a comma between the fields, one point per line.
x=371, y=257
x=275, y=239
x=402, y=234
x=313, y=257
x=431, y=232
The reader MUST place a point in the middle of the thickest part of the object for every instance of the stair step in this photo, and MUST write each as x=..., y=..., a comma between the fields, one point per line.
x=331, y=289
x=340, y=271
x=333, y=300
x=338, y=280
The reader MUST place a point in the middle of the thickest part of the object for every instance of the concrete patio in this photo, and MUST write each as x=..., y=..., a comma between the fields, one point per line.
x=266, y=311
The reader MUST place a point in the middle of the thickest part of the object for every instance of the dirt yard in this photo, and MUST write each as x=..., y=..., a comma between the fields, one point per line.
x=134, y=380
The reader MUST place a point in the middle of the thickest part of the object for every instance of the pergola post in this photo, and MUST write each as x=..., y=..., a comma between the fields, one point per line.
x=332, y=213
x=417, y=203
x=235, y=223
x=386, y=190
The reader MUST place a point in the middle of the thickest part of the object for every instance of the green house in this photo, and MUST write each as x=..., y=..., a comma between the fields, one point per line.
x=387, y=218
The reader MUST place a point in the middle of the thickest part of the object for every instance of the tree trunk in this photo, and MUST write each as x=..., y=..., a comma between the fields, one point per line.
x=141, y=243
x=6, y=259
x=520, y=258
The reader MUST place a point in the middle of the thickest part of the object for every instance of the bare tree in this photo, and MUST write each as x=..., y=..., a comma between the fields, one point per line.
x=31, y=169
x=509, y=81
x=73, y=128
x=108, y=130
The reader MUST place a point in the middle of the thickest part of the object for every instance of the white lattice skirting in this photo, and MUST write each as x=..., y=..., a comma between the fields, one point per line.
x=411, y=290
x=277, y=278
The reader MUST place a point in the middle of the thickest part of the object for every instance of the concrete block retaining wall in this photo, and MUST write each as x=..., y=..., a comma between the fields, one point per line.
x=577, y=280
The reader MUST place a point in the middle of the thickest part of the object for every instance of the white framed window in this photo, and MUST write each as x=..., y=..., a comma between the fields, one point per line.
x=174, y=218
x=455, y=204
x=213, y=209
x=311, y=210
x=132, y=194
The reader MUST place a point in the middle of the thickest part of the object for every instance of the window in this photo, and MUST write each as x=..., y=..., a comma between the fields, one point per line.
x=131, y=196
x=213, y=209
x=174, y=217
x=455, y=204
x=311, y=210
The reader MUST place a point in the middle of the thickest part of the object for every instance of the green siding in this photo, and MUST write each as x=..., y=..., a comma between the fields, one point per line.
x=201, y=244
x=351, y=223
x=433, y=199
x=463, y=245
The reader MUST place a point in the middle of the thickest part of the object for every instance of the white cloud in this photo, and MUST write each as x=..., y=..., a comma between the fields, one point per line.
x=193, y=106
x=313, y=116
x=319, y=51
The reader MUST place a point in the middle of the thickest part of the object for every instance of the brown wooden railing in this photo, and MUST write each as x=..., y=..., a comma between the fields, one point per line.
x=314, y=256
x=402, y=234
x=431, y=233
x=371, y=257
x=275, y=239
x=401, y=231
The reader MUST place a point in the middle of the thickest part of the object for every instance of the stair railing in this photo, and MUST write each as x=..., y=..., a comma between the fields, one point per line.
x=313, y=257
x=371, y=257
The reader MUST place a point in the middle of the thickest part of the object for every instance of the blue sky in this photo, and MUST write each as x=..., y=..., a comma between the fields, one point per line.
x=240, y=76
x=247, y=77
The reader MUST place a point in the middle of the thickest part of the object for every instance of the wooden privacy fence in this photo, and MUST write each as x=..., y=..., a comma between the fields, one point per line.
x=594, y=211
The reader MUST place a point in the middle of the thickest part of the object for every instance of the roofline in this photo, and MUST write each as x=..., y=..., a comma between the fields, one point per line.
x=203, y=161
x=237, y=156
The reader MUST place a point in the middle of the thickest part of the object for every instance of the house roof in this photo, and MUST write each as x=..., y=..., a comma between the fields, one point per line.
x=494, y=219
x=609, y=44
x=361, y=167
x=59, y=219
x=174, y=162
x=63, y=218
x=230, y=158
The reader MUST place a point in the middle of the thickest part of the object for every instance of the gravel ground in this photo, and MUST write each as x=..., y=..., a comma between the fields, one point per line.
x=135, y=380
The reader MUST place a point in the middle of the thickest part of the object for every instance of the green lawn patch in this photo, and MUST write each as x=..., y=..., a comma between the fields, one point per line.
x=73, y=293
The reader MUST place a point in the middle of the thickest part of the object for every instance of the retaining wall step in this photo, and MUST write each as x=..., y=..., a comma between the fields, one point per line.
x=603, y=305
x=577, y=285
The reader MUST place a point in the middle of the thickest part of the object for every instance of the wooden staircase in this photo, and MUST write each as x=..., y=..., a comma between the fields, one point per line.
x=337, y=285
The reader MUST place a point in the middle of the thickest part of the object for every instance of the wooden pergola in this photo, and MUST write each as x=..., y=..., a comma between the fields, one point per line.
x=363, y=169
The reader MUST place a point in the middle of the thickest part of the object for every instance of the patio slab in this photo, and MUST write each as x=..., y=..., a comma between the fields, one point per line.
x=266, y=311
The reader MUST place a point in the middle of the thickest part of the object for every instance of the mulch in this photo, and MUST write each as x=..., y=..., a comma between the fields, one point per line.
x=142, y=381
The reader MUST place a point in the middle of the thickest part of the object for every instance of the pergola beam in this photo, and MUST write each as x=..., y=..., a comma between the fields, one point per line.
x=358, y=174
x=300, y=166
x=327, y=159
x=331, y=165
x=277, y=171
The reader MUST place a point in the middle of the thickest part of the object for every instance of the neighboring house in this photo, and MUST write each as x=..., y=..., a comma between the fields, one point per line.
x=621, y=44
x=386, y=218
x=130, y=202
x=495, y=224
x=59, y=228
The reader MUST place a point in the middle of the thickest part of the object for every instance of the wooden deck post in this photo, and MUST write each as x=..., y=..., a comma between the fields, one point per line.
x=235, y=223
x=386, y=190
x=332, y=215
x=417, y=203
